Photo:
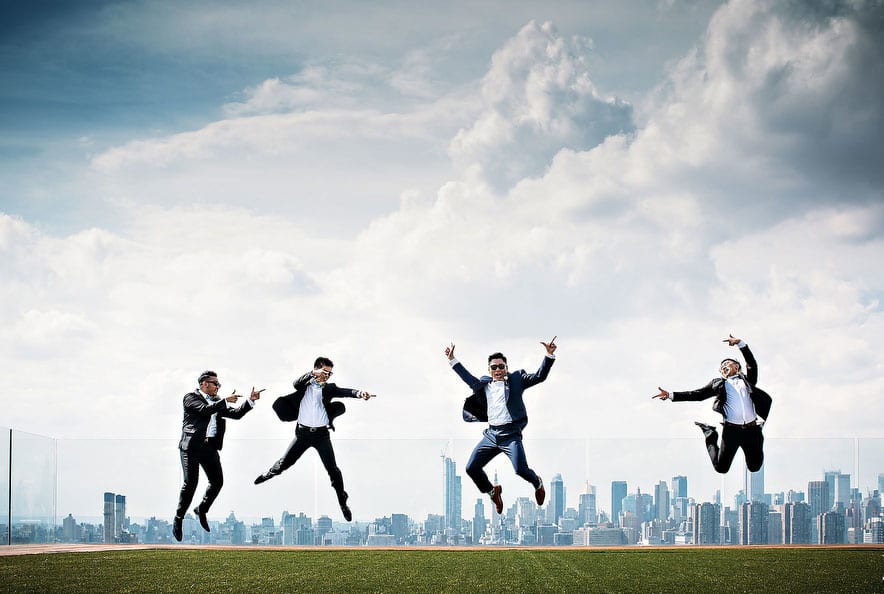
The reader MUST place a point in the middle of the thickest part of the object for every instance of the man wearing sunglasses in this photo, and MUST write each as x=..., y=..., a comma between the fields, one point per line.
x=497, y=400
x=740, y=402
x=312, y=407
x=202, y=436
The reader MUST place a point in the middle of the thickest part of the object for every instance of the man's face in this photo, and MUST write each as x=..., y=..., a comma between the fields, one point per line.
x=322, y=374
x=210, y=386
x=497, y=367
x=729, y=368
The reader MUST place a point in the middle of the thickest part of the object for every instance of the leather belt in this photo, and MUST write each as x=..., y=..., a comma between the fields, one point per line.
x=743, y=426
x=311, y=429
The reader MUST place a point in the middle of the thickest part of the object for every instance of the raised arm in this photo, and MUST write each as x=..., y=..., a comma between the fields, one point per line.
x=532, y=379
x=468, y=378
x=751, y=364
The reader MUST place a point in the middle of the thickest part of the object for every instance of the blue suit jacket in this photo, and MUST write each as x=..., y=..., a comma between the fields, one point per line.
x=475, y=407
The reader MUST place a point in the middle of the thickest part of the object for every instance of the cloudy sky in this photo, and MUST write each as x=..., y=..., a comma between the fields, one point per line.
x=243, y=186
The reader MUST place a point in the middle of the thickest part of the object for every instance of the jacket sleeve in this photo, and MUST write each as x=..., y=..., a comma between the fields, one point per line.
x=301, y=382
x=338, y=392
x=532, y=379
x=707, y=391
x=238, y=412
x=751, y=365
x=466, y=376
x=197, y=405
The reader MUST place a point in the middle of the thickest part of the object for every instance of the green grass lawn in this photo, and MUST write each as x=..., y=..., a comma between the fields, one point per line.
x=682, y=570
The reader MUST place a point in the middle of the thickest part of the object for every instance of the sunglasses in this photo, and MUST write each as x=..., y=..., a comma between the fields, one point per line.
x=216, y=383
x=496, y=367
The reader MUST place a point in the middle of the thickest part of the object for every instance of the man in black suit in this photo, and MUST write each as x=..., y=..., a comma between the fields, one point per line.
x=740, y=402
x=311, y=406
x=202, y=436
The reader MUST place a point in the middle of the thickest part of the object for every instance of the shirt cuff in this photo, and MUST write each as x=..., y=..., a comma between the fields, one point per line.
x=552, y=356
x=453, y=362
x=251, y=402
x=741, y=344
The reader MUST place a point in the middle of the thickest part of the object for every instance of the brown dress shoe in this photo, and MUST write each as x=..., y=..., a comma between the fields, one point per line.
x=540, y=494
x=497, y=499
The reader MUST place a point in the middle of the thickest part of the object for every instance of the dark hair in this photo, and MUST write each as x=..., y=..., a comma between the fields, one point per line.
x=733, y=361
x=496, y=356
x=206, y=375
x=322, y=362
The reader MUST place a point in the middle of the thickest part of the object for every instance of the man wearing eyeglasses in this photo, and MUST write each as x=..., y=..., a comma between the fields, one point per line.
x=740, y=402
x=202, y=436
x=497, y=400
x=312, y=407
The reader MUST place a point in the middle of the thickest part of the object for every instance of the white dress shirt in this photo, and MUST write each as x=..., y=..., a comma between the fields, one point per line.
x=738, y=406
x=212, y=429
x=312, y=413
x=495, y=395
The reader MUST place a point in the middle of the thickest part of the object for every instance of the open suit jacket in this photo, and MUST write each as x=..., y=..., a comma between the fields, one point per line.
x=475, y=408
x=198, y=413
x=287, y=407
x=716, y=388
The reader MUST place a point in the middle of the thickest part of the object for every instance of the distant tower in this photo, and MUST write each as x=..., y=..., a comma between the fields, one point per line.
x=679, y=486
x=109, y=517
x=618, y=492
x=556, y=506
x=587, y=512
x=451, y=494
x=119, y=515
x=661, y=500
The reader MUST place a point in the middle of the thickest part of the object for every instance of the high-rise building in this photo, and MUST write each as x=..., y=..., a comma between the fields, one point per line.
x=679, y=487
x=618, y=492
x=399, y=527
x=796, y=523
x=705, y=519
x=119, y=515
x=775, y=527
x=556, y=499
x=109, y=517
x=818, y=498
x=586, y=509
x=881, y=482
x=755, y=484
x=452, y=494
x=838, y=485
x=479, y=521
x=754, y=523
x=830, y=526
x=661, y=501
x=641, y=505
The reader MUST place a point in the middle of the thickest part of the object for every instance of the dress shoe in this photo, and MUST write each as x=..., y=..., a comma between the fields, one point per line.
x=176, y=528
x=348, y=515
x=708, y=430
x=540, y=494
x=262, y=478
x=204, y=521
x=496, y=498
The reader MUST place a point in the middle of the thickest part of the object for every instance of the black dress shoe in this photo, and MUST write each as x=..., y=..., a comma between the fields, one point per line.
x=348, y=515
x=708, y=430
x=176, y=528
x=261, y=478
x=204, y=521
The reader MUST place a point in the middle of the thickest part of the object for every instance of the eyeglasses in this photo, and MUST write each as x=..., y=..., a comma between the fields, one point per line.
x=326, y=372
x=496, y=367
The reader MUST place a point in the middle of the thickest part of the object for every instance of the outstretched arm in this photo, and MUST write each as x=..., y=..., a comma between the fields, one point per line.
x=751, y=364
x=468, y=378
x=532, y=379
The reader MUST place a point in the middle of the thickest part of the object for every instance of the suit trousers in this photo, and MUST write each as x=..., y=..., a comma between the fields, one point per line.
x=750, y=439
x=199, y=454
x=320, y=440
x=505, y=440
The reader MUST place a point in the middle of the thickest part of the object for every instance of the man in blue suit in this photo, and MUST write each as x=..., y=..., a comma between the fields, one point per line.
x=497, y=400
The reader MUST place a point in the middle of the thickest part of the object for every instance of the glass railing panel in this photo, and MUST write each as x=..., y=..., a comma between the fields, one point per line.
x=33, y=479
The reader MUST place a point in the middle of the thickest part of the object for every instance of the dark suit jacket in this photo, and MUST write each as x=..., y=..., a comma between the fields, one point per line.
x=475, y=408
x=716, y=388
x=198, y=413
x=288, y=407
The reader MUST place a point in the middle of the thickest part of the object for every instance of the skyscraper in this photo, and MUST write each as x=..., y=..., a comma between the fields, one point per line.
x=796, y=523
x=109, y=517
x=705, y=520
x=586, y=509
x=451, y=494
x=119, y=515
x=755, y=484
x=838, y=485
x=618, y=492
x=754, y=523
x=661, y=501
x=679, y=487
x=556, y=500
x=479, y=521
x=818, y=499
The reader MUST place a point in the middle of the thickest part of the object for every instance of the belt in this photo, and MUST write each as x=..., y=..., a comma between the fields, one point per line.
x=744, y=425
x=311, y=429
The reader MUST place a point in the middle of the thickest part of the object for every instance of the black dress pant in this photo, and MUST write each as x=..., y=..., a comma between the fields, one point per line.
x=750, y=439
x=205, y=455
x=320, y=440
